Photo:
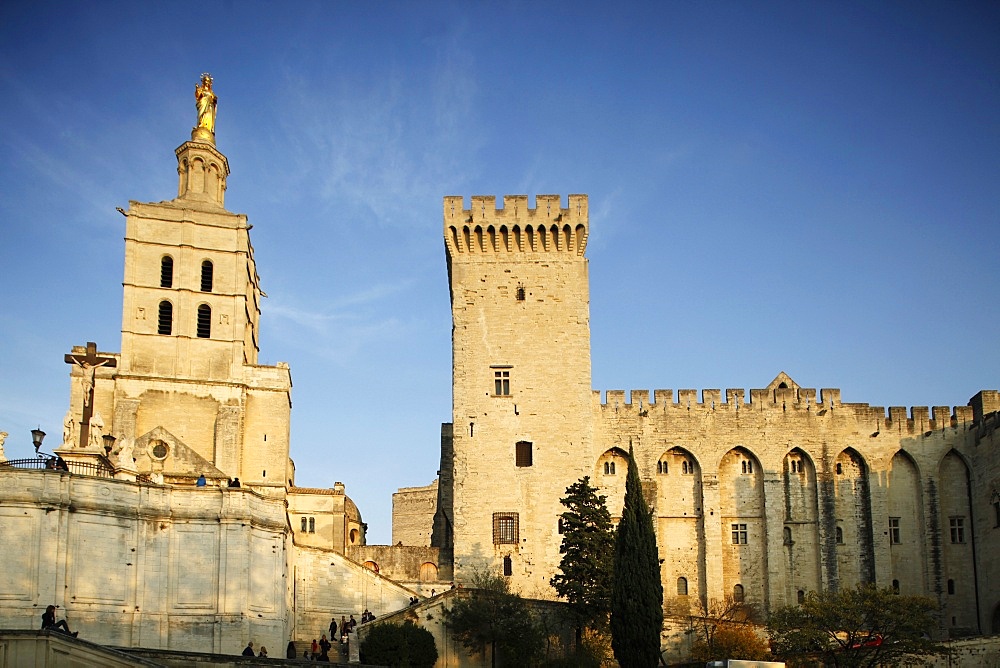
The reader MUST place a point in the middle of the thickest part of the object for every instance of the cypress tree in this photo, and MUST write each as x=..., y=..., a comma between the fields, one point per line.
x=587, y=563
x=637, y=593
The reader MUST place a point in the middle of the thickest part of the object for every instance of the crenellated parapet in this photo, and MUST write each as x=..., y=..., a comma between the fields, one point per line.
x=798, y=400
x=516, y=228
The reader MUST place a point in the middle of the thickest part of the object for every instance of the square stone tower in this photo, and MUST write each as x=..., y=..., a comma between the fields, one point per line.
x=186, y=396
x=521, y=382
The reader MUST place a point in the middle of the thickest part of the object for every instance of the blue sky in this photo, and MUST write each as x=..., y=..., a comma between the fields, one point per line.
x=811, y=187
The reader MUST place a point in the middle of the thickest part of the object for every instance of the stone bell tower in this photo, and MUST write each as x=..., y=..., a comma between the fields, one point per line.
x=188, y=395
x=521, y=387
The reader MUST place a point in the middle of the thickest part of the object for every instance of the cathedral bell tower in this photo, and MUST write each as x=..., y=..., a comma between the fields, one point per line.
x=188, y=394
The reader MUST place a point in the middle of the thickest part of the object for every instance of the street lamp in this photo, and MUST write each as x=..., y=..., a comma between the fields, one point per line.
x=109, y=442
x=36, y=438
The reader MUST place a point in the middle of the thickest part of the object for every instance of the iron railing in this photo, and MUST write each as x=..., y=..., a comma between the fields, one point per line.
x=99, y=470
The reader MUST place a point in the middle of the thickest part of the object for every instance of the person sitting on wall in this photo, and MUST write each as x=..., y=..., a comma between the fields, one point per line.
x=248, y=650
x=263, y=652
x=235, y=482
x=201, y=481
x=49, y=622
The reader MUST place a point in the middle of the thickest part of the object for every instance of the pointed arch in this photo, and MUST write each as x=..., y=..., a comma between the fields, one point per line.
x=802, y=561
x=905, y=522
x=853, y=513
x=742, y=525
x=957, y=538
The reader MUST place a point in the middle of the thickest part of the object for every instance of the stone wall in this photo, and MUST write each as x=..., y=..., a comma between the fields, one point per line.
x=330, y=585
x=413, y=515
x=184, y=567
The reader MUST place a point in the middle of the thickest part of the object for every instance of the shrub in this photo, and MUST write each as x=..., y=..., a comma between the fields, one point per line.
x=406, y=646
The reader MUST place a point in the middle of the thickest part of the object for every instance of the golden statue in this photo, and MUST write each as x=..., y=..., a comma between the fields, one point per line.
x=207, y=102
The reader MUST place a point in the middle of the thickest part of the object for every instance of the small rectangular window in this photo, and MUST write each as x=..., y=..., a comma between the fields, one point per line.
x=522, y=453
x=957, y=529
x=505, y=529
x=501, y=383
x=312, y=525
x=305, y=525
x=894, y=534
x=739, y=534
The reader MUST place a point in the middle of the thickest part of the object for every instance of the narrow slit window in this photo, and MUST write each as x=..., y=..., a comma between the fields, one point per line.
x=508, y=566
x=305, y=525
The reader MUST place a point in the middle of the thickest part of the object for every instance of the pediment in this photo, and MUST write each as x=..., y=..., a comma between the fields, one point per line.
x=780, y=381
x=160, y=451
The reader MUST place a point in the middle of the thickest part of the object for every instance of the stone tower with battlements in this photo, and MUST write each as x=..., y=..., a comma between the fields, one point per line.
x=521, y=364
x=759, y=496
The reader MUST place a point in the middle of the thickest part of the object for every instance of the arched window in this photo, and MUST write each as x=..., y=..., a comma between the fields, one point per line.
x=165, y=318
x=166, y=272
x=840, y=536
x=737, y=593
x=312, y=525
x=840, y=469
x=685, y=468
x=204, y=321
x=682, y=586
x=372, y=566
x=305, y=526
x=609, y=468
x=661, y=467
x=801, y=597
x=508, y=566
x=206, y=276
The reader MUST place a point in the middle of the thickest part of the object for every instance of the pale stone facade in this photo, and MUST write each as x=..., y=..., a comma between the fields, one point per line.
x=129, y=542
x=411, y=506
x=764, y=499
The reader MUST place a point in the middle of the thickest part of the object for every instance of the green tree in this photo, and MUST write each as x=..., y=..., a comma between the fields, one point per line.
x=864, y=626
x=637, y=593
x=406, y=646
x=587, y=563
x=491, y=615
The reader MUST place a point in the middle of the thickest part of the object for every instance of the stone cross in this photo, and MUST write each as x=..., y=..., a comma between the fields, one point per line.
x=89, y=364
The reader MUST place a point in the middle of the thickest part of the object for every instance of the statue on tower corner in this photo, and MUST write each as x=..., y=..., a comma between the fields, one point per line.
x=207, y=103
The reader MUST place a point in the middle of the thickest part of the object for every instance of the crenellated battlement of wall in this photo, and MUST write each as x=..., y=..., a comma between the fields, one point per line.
x=784, y=399
x=516, y=227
